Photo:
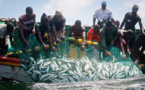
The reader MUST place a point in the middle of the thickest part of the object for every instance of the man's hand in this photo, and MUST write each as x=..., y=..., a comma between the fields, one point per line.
x=53, y=48
x=44, y=47
x=128, y=51
x=33, y=32
x=63, y=37
x=57, y=40
x=83, y=47
x=123, y=56
x=25, y=42
x=107, y=53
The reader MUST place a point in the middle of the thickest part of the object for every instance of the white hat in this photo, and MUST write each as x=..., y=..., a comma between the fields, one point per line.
x=58, y=13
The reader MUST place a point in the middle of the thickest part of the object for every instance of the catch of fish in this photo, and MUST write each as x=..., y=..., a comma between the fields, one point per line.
x=64, y=70
x=91, y=65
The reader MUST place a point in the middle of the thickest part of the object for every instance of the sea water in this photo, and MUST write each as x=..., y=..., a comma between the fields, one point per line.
x=137, y=83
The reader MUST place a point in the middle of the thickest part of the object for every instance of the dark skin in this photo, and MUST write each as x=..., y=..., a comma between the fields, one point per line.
x=59, y=17
x=11, y=38
x=133, y=13
x=75, y=31
x=94, y=19
x=106, y=52
x=96, y=30
x=3, y=43
x=117, y=23
x=21, y=26
x=50, y=36
x=123, y=35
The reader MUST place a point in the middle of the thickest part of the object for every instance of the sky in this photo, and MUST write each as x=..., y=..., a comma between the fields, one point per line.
x=72, y=9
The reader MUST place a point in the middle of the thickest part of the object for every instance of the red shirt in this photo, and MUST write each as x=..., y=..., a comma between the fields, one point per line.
x=91, y=36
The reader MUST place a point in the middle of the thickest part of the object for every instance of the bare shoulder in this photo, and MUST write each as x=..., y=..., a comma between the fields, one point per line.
x=83, y=28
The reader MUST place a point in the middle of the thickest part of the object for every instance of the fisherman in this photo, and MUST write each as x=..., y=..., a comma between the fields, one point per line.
x=108, y=34
x=130, y=20
x=27, y=24
x=43, y=32
x=78, y=32
x=102, y=14
x=6, y=30
x=123, y=41
x=94, y=34
x=57, y=24
x=117, y=23
x=138, y=51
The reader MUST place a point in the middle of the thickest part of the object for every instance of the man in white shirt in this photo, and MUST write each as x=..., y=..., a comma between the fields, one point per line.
x=6, y=30
x=102, y=15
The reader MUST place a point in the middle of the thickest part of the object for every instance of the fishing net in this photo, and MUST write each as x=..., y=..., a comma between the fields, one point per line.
x=71, y=64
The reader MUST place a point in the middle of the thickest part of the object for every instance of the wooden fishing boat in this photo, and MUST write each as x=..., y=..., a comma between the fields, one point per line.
x=10, y=69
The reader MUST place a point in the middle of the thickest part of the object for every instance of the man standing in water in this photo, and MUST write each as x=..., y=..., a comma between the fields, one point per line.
x=27, y=24
x=130, y=21
x=102, y=14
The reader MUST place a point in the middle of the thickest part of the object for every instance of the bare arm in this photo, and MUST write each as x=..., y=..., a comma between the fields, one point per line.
x=121, y=44
x=94, y=17
x=63, y=29
x=21, y=25
x=11, y=40
x=40, y=38
x=54, y=32
x=33, y=29
x=128, y=49
x=51, y=42
x=94, y=21
x=84, y=35
x=141, y=26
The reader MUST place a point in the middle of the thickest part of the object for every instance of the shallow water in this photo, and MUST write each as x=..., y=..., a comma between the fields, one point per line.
x=137, y=83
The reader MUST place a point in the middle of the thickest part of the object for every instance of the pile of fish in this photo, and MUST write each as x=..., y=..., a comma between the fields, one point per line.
x=64, y=70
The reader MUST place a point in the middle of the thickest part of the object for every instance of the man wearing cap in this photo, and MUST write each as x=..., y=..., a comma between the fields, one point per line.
x=108, y=34
x=57, y=24
x=130, y=21
x=102, y=14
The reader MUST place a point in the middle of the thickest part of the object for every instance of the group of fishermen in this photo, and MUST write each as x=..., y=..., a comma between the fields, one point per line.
x=106, y=32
